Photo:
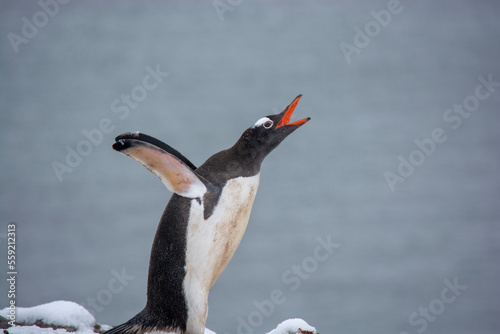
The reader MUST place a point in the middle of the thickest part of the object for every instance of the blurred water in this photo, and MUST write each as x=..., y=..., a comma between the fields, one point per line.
x=327, y=179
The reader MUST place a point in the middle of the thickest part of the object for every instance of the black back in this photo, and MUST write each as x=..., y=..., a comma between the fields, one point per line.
x=166, y=270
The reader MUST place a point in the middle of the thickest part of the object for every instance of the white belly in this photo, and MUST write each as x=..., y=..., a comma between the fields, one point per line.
x=211, y=243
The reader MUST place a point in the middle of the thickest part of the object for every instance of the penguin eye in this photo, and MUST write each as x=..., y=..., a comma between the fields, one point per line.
x=268, y=124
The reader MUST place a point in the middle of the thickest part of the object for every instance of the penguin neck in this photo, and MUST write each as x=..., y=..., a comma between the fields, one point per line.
x=229, y=164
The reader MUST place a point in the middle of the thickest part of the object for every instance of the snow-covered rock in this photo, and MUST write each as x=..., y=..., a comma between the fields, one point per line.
x=63, y=317
x=55, y=317
x=293, y=326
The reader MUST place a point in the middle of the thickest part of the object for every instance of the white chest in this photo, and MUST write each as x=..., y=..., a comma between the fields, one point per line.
x=211, y=243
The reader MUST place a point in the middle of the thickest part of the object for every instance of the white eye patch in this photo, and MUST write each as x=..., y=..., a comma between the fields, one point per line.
x=263, y=121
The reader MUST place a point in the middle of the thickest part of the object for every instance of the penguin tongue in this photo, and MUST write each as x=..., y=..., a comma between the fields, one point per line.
x=288, y=114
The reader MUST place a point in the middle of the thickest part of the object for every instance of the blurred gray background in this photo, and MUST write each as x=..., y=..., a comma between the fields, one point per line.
x=229, y=66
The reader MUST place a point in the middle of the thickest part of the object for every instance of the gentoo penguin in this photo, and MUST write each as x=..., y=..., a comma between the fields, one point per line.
x=203, y=222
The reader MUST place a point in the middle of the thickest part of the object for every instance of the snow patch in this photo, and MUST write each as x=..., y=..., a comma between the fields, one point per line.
x=291, y=326
x=37, y=330
x=71, y=315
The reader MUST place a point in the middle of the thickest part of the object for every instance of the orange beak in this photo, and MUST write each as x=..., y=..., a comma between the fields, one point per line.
x=288, y=114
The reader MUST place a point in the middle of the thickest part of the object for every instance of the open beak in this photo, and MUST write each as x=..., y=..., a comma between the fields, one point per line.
x=287, y=115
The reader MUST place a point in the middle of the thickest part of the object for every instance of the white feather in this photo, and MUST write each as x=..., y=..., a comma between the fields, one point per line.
x=260, y=122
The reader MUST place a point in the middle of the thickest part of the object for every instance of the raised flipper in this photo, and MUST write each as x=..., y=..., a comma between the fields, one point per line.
x=173, y=169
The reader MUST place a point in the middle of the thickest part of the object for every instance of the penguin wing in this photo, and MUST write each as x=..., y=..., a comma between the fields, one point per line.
x=173, y=169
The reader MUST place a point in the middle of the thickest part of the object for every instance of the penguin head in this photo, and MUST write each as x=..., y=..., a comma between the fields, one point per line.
x=268, y=132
